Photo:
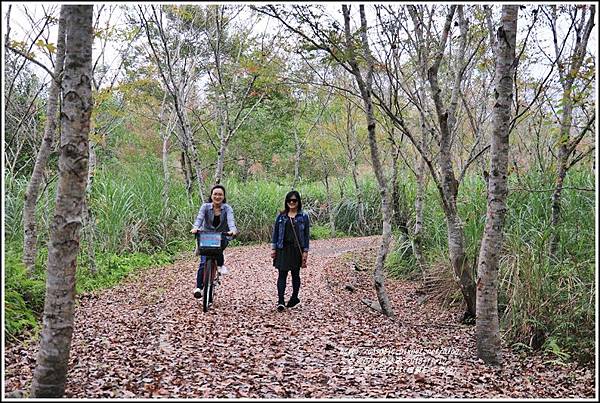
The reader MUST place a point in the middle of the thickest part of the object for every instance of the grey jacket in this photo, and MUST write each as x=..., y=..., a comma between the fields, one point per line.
x=206, y=214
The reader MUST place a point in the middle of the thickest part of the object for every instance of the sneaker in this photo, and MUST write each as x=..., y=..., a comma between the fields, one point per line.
x=280, y=307
x=293, y=302
x=223, y=270
x=197, y=293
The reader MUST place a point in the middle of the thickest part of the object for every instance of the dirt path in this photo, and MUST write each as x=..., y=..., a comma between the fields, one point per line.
x=149, y=337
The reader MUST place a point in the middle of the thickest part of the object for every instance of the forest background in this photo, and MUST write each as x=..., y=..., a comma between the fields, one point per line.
x=186, y=96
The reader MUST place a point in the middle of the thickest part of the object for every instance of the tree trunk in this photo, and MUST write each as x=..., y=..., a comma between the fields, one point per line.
x=165, y=164
x=563, y=157
x=418, y=228
x=55, y=344
x=245, y=169
x=186, y=173
x=449, y=188
x=33, y=188
x=458, y=260
x=399, y=217
x=488, y=328
x=297, y=156
x=89, y=222
x=396, y=220
x=362, y=222
x=220, y=161
x=166, y=131
x=191, y=147
x=365, y=88
x=329, y=206
x=351, y=144
x=568, y=78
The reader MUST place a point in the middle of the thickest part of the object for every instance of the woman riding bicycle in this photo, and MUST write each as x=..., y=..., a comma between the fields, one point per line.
x=216, y=215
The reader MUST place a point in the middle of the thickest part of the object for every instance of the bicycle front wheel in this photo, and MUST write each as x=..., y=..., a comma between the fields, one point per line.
x=208, y=284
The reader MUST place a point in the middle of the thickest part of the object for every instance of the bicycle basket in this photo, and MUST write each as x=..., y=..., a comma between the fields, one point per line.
x=209, y=243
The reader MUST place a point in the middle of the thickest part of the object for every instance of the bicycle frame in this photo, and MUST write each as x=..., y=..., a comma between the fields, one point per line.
x=210, y=274
x=209, y=277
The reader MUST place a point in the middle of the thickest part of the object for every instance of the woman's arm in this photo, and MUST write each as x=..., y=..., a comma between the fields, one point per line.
x=306, y=232
x=275, y=232
x=199, y=223
x=231, y=221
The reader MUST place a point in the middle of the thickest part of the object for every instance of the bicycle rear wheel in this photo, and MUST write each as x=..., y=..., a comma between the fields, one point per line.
x=208, y=284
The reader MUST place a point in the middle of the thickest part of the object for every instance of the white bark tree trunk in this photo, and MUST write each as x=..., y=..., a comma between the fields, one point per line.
x=297, y=156
x=419, y=206
x=487, y=323
x=352, y=147
x=176, y=79
x=33, y=187
x=449, y=184
x=190, y=145
x=89, y=222
x=365, y=86
x=166, y=132
x=55, y=344
x=165, y=165
x=232, y=108
x=221, y=160
x=567, y=77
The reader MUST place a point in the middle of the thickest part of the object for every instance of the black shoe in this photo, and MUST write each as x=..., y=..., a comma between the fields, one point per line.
x=293, y=302
x=198, y=292
x=280, y=307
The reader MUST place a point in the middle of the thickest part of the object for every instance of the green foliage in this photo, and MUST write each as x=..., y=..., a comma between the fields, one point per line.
x=23, y=296
x=14, y=200
x=17, y=315
x=320, y=231
x=538, y=295
x=112, y=206
x=401, y=262
x=131, y=213
x=113, y=268
x=551, y=347
x=256, y=204
x=347, y=217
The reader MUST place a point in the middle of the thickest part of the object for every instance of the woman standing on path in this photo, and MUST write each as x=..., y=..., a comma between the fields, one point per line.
x=216, y=215
x=289, y=247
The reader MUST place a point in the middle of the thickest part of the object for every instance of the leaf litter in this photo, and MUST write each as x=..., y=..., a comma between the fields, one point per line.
x=148, y=337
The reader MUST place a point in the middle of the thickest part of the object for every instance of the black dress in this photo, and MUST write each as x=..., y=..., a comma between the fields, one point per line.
x=289, y=257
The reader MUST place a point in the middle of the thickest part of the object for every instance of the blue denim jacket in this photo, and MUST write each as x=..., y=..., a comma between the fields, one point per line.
x=303, y=224
x=206, y=214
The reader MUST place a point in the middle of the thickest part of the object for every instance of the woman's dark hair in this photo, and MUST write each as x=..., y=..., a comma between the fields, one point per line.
x=218, y=187
x=288, y=196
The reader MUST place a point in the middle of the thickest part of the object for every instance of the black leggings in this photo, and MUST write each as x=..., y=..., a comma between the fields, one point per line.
x=282, y=280
x=200, y=274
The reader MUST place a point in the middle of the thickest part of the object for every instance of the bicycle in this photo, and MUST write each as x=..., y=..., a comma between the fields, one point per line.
x=209, y=244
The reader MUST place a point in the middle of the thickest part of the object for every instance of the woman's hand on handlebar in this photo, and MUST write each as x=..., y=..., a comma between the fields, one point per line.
x=194, y=230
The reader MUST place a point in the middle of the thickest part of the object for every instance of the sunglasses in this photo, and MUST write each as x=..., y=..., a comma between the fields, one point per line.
x=292, y=201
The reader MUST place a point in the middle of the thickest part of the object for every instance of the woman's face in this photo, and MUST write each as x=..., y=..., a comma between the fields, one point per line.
x=217, y=196
x=292, y=202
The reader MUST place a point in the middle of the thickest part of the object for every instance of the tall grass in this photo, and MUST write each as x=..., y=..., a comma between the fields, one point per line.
x=256, y=204
x=551, y=299
x=544, y=295
x=14, y=200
